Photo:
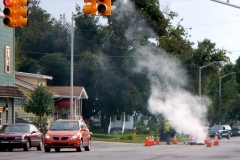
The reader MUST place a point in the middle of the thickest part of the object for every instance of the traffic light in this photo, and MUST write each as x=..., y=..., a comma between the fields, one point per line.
x=90, y=8
x=14, y=13
x=104, y=7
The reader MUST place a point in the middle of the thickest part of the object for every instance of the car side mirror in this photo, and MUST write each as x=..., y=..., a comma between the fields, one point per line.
x=33, y=132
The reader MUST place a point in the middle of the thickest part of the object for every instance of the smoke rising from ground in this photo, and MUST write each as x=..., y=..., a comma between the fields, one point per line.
x=168, y=80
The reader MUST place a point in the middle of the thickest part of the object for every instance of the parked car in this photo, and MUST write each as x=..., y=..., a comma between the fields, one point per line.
x=20, y=135
x=68, y=134
x=236, y=131
x=22, y=120
x=222, y=130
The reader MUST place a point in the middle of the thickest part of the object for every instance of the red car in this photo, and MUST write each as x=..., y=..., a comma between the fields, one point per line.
x=20, y=135
x=68, y=134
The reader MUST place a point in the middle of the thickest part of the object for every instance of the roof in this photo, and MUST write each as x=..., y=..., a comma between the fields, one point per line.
x=11, y=91
x=64, y=91
x=25, y=84
x=33, y=75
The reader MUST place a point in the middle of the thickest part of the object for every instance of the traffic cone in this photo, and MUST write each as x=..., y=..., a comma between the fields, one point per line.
x=151, y=140
x=209, y=143
x=206, y=139
x=175, y=139
x=216, y=142
x=157, y=140
x=147, y=141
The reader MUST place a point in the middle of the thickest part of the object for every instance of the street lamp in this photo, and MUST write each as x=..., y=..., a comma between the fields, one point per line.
x=72, y=50
x=220, y=87
x=200, y=78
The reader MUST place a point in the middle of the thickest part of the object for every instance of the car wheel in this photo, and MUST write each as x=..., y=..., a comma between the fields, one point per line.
x=10, y=149
x=88, y=146
x=228, y=136
x=46, y=149
x=80, y=148
x=57, y=149
x=220, y=136
x=27, y=146
x=39, y=147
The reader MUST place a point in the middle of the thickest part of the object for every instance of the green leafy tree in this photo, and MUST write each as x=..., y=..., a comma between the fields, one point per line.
x=40, y=102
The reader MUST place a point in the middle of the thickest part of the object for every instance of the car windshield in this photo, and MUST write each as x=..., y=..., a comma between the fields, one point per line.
x=216, y=127
x=14, y=128
x=65, y=126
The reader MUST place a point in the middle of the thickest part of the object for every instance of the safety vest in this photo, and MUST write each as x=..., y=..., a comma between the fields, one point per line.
x=167, y=127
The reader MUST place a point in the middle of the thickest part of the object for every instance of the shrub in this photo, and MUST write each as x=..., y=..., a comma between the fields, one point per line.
x=126, y=137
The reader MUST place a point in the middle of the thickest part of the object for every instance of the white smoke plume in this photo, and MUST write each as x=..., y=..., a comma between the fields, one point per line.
x=168, y=82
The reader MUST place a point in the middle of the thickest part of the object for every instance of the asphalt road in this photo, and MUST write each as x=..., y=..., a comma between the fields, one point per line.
x=227, y=150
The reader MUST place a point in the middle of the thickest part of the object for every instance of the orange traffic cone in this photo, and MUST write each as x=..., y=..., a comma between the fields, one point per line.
x=175, y=139
x=216, y=142
x=147, y=141
x=157, y=140
x=206, y=139
x=209, y=143
x=151, y=140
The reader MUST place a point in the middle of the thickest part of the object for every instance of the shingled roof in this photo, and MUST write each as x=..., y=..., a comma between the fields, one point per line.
x=11, y=91
x=64, y=91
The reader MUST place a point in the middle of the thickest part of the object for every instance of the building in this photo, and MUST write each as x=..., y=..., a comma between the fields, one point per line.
x=8, y=91
x=28, y=82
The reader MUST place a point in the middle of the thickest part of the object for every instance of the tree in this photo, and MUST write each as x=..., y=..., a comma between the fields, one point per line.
x=40, y=102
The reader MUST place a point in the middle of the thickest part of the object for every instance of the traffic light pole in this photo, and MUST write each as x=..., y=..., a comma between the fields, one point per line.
x=227, y=3
x=72, y=61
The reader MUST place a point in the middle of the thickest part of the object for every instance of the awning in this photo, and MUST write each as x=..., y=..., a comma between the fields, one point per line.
x=63, y=103
x=11, y=92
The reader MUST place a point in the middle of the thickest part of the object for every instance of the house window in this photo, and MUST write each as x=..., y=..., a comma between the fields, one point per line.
x=78, y=107
x=20, y=102
x=113, y=118
x=118, y=118
x=127, y=118
x=7, y=60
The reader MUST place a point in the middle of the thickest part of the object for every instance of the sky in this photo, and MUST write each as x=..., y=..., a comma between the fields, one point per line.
x=208, y=19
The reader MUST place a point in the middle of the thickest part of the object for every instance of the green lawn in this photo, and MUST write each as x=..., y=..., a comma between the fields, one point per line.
x=128, y=138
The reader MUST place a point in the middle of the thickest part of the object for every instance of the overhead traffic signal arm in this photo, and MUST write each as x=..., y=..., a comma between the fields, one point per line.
x=104, y=7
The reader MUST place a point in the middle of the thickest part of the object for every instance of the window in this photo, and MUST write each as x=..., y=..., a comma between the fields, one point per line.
x=7, y=60
x=118, y=118
x=113, y=119
x=20, y=101
x=78, y=107
x=127, y=118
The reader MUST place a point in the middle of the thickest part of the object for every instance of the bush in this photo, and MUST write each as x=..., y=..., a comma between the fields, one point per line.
x=126, y=137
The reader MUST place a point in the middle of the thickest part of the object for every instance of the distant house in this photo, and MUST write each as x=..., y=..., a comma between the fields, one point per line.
x=8, y=91
x=28, y=82
x=62, y=101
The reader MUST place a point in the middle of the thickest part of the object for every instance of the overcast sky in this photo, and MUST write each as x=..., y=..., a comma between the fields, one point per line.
x=218, y=22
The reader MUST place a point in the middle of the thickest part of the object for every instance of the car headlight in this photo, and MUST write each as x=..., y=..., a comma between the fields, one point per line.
x=47, y=136
x=74, y=136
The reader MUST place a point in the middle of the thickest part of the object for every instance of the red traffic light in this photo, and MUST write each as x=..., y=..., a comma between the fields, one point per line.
x=7, y=2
